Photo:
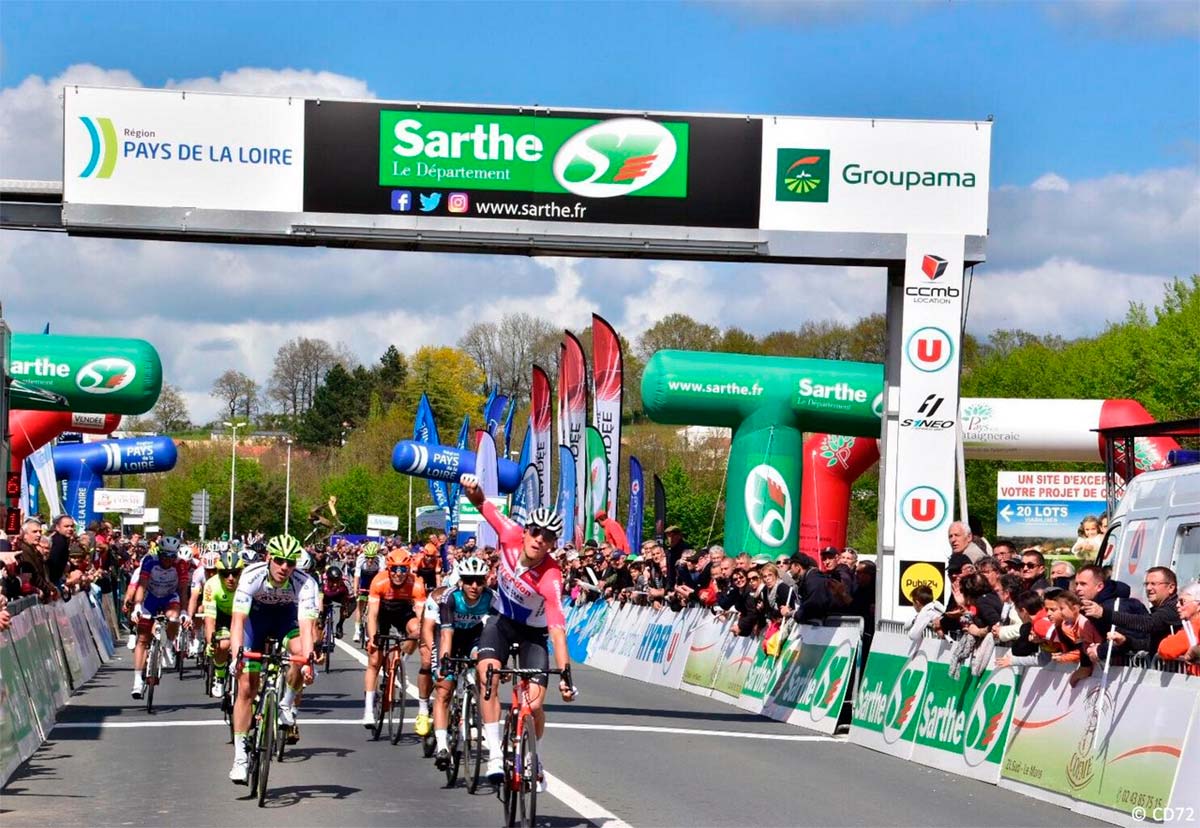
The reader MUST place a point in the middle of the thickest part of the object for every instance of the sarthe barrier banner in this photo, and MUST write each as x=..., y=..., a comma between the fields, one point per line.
x=19, y=732
x=809, y=681
x=1115, y=748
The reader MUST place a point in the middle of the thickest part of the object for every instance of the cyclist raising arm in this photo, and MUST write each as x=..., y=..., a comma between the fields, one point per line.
x=529, y=593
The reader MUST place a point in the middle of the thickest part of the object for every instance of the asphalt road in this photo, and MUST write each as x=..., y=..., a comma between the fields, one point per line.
x=624, y=754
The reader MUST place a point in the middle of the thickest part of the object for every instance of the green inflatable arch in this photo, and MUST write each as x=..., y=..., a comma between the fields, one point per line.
x=769, y=402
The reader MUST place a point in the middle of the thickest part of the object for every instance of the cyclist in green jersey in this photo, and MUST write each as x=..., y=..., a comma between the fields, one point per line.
x=218, y=614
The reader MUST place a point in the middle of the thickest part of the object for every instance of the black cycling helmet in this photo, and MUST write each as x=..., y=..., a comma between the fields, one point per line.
x=334, y=572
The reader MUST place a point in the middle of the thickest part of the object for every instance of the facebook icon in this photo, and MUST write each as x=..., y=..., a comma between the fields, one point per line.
x=401, y=201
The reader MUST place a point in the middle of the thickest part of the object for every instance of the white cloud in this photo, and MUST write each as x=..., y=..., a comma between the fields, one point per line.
x=1125, y=18
x=1051, y=182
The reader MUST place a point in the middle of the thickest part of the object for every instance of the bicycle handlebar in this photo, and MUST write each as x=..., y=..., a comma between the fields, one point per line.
x=524, y=672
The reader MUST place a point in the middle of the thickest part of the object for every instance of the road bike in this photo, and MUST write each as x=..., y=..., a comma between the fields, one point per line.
x=152, y=672
x=464, y=730
x=263, y=742
x=390, y=688
x=328, y=635
x=518, y=790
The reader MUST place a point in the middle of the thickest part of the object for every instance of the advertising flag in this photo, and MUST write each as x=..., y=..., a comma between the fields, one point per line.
x=488, y=474
x=526, y=456
x=572, y=381
x=425, y=431
x=29, y=489
x=494, y=416
x=454, y=488
x=526, y=497
x=597, y=482
x=633, y=529
x=539, y=418
x=607, y=374
x=43, y=468
x=508, y=425
x=565, y=506
x=660, y=510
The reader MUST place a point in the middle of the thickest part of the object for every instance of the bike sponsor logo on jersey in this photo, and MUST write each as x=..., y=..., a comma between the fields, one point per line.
x=105, y=376
x=925, y=418
x=768, y=505
x=989, y=716
x=924, y=508
x=904, y=701
x=929, y=349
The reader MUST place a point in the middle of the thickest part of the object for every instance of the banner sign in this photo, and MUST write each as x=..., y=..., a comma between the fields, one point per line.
x=572, y=421
x=484, y=163
x=807, y=684
x=637, y=505
x=159, y=148
x=386, y=523
x=539, y=424
x=1049, y=505
x=565, y=504
x=118, y=500
x=875, y=176
x=608, y=381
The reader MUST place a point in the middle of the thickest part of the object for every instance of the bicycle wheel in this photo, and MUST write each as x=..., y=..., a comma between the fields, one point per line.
x=266, y=741
x=150, y=677
x=453, y=739
x=251, y=742
x=396, y=707
x=508, y=795
x=527, y=790
x=180, y=654
x=472, y=739
x=380, y=707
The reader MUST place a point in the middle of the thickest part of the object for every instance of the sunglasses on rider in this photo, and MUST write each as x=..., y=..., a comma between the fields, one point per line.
x=544, y=534
x=283, y=561
x=398, y=570
x=477, y=580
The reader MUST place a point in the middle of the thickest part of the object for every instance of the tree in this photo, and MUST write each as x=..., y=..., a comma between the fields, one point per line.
x=338, y=405
x=507, y=351
x=868, y=339
x=738, y=341
x=170, y=413
x=238, y=392
x=452, y=380
x=677, y=331
x=390, y=375
x=300, y=367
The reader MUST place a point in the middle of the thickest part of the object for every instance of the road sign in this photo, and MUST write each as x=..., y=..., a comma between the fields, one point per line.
x=387, y=523
x=1047, y=505
x=200, y=506
x=118, y=500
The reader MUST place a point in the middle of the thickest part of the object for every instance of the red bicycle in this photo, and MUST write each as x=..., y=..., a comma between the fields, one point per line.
x=518, y=790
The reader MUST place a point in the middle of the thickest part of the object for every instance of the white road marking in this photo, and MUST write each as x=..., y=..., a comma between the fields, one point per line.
x=687, y=731
x=191, y=723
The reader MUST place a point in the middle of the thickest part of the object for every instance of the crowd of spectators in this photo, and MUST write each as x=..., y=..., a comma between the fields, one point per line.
x=756, y=592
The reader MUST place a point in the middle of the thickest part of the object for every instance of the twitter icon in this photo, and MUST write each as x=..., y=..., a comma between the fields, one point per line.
x=430, y=202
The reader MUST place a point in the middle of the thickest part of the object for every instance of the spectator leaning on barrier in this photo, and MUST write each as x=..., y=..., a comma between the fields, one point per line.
x=1184, y=645
x=676, y=546
x=863, y=604
x=776, y=596
x=963, y=542
x=812, y=589
x=32, y=578
x=1074, y=631
x=1094, y=589
x=1144, y=631
x=60, y=545
x=1006, y=557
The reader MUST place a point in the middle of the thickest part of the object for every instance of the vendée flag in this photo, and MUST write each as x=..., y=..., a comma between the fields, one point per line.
x=572, y=390
x=637, y=505
x=565, y=505
x=608, y=378
x=597, y=482
x=539, y=418
x=425, y=431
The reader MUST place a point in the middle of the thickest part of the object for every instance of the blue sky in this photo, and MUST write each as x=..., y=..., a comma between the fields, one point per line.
x=1095, y=197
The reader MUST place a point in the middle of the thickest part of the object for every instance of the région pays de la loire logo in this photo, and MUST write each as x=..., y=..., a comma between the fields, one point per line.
x=104, y=376
x=904, y=700
x=768, y=505
x=929, y=349
x=923, y=508
x=103, y=158
x=988, y=715
x=802, y=175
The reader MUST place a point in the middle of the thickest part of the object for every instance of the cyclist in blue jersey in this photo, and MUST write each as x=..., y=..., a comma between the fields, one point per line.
x=462, y=610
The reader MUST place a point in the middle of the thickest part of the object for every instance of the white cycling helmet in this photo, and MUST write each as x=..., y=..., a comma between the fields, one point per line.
x=209, y=559
x=544, y=518
x=185, y=553
x=305, y=564
x=471, y=568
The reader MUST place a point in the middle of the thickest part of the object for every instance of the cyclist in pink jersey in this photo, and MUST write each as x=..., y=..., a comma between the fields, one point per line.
x=529, y=589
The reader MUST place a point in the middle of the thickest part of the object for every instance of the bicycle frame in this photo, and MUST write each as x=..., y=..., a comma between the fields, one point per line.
x=385, y=702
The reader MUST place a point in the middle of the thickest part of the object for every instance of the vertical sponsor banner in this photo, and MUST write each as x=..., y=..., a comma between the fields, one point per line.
x=455, y=488
x=596, y=489
x=763, y=503
x=660, y=509
x=508, y=427
x=539, y=419
x=42, y=462
x=29, y=489
x=526, y=497
x=486, y=471
x=572, y=381
x=565, y=505
x=1116, y=746
x=608, y=379
x=929, y=377
x=425, y=431
x=493, y=416
x=633, y=529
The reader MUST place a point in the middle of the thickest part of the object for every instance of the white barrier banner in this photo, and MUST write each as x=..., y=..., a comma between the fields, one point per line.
x=704, y=655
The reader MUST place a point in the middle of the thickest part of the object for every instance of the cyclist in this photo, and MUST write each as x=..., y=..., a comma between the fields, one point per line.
x=335, y=590
x=200, y=576
x=461, y=612
x=160, y=581
x=429, y=563
x=366, y=567
x=395, y=599
x=529, y=602
x=273, y=601
x=218, y=614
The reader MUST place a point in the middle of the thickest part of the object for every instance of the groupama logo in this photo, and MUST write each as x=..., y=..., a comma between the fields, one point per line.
x=802, y=175
x=988, y=716
x=614, y=158
x=904, y=700
x=105, y=376
x=104, y=143
x=768, y=505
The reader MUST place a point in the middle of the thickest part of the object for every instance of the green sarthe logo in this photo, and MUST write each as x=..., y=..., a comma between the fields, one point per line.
x=768, y=505
x=802, y=175
x=104, y=143
x=526, y=153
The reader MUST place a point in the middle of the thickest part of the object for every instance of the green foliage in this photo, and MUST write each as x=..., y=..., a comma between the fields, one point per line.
x=689, y=506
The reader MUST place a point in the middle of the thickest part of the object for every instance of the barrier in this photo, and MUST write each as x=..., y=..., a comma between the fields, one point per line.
x=814, y=673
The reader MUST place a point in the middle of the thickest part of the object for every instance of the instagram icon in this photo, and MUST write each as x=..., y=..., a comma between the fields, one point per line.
x=458, y=203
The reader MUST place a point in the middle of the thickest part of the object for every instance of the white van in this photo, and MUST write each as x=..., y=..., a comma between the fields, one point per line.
x=1157, y=523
